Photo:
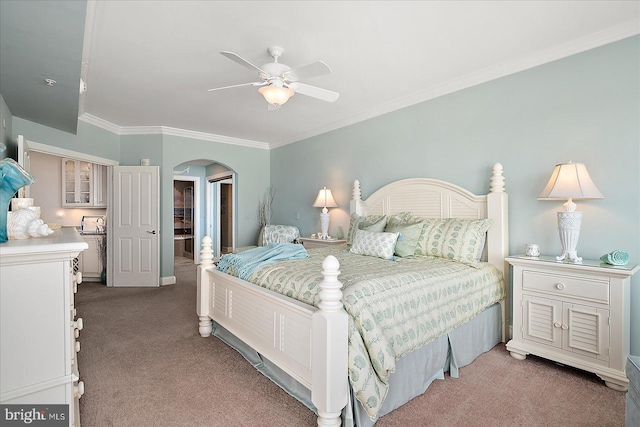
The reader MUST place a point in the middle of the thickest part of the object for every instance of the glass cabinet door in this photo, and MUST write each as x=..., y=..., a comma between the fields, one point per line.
x=69, y=181
x=85, y=182
x=77, y=185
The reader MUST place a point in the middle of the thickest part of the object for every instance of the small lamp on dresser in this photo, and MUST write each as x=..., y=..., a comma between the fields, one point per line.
x=325, y=200
x=570, y=181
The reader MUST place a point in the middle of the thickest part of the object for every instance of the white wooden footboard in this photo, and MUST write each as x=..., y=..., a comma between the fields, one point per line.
x=308, y=343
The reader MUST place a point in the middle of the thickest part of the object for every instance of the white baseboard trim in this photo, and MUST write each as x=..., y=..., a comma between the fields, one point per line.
x=169, y=280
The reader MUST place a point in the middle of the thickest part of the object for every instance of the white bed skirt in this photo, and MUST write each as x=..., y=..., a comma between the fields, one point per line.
x=414, y=372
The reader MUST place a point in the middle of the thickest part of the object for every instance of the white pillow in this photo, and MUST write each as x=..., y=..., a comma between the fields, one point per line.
x=381, y=245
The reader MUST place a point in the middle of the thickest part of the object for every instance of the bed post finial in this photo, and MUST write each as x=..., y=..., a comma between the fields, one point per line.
x=206, y=253
x=330, y=294
x=497, y=180
x=357, y=193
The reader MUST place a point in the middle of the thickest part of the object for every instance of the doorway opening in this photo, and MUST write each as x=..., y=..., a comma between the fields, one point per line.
x=186, y=220
x=221, y=212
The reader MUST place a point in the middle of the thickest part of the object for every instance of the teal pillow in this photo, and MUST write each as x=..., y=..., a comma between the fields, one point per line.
x=381, y=245
x=357, y=222
x=376, y=227
x=409, y=236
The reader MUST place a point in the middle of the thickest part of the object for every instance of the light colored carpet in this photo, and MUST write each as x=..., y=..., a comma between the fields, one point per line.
x=144, y=364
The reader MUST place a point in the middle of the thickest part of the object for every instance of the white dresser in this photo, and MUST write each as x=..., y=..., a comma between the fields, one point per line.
x=38, y=325
x=575, y=314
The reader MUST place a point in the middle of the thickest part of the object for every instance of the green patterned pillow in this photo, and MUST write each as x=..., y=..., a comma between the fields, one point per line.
x=455, y=239
x=403, y=218
x=359, y=222
x=381, y=245
x=409, y=236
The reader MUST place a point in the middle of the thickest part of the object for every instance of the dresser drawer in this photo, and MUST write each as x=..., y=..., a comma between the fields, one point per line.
x=591, y=289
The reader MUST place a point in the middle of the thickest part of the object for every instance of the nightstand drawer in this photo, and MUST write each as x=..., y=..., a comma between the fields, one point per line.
x=571, y=286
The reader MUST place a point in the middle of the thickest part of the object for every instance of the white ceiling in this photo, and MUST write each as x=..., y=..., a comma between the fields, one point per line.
x=149, y=64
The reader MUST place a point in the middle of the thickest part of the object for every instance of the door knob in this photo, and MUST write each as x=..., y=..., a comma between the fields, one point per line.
x=152, y=232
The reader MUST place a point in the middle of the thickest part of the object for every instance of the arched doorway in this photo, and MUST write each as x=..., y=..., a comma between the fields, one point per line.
x=211, y=209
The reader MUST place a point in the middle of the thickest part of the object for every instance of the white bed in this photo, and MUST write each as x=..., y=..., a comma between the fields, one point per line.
x=309, y=344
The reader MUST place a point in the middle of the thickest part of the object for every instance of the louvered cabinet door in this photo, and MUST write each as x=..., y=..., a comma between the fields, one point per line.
x=586, y=331
x=541, y=319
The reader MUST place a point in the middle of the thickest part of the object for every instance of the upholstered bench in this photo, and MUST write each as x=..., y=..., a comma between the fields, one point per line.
x=274, y=234
x=278, y=234
x=632, y=414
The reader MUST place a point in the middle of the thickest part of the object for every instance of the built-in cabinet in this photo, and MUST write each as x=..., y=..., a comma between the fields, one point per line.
x=575, y=314
x=39, y=329
x=84, y=184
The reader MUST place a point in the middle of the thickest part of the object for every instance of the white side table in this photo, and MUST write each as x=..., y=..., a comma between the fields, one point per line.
x=310, y=243
x=575, y=314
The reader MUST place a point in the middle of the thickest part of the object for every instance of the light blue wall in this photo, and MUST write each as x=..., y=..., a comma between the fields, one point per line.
x=89, y=139
x=585, y=108
x=251, y=166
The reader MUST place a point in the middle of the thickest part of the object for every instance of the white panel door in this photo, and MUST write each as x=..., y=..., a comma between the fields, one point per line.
x=135, y=226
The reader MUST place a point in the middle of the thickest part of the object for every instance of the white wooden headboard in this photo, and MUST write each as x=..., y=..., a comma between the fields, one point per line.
x=432, y=198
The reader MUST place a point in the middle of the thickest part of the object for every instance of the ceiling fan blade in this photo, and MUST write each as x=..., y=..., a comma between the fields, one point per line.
x=242, y=84
x=314, y=69
x=314, y=92
x=240, y=60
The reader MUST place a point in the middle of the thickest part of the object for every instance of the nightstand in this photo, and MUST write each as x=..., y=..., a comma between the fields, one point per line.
x=310, y=243
x=574, y=314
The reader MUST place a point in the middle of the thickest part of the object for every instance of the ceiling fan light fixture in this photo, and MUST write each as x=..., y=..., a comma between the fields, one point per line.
x=276, y=95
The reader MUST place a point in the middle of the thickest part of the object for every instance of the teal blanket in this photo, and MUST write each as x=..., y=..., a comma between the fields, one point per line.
x=245, y=263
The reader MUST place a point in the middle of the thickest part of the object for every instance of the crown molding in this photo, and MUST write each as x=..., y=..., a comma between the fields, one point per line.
x=98, y=122
x=165, y=130
x=215, y=138
x=612, y=34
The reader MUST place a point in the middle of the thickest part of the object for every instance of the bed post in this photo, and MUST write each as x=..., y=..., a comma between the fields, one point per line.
x=498, y=237
x=204, y=287
x=329, y=363
x=356, y=198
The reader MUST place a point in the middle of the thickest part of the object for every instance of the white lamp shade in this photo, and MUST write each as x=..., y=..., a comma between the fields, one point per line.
x=276, y=95
x=570, y=181
x=325, y=199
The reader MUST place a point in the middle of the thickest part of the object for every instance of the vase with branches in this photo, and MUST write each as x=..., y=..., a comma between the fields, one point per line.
x=264, y=206
x=264, y=210
x=101, y=248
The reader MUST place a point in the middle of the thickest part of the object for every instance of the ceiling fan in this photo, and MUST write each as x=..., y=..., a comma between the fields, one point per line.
x=280, y=82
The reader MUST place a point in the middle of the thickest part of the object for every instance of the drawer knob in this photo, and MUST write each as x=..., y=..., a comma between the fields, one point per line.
x=565, y=327
x=557, y=325
x=560, y=286
x=78, y=389
x=78, y=324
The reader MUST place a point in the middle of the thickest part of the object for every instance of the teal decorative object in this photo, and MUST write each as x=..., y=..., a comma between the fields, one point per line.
x=617, y=257
x=12, y=177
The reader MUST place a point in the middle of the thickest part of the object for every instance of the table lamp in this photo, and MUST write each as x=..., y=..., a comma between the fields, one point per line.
x=324, y=201
x=570, y=181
